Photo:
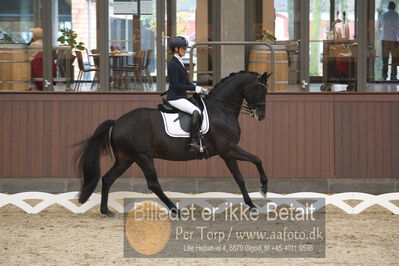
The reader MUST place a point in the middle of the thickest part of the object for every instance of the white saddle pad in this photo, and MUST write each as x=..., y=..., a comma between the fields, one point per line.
x=172, y=125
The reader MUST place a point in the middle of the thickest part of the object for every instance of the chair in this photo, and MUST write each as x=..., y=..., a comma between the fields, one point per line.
x=136, y=69
x=88, y=63
x=83, y=70
x=140, y=67
x=146, y=69
x=118, y=67
x=96, y=59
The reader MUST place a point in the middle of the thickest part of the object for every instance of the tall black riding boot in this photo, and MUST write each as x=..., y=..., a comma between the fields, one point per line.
x=194, y=143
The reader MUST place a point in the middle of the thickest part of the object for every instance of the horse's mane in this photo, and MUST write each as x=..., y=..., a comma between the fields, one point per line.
x=230, y=76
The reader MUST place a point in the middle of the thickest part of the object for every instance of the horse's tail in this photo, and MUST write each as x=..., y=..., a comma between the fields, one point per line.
x=89, y=158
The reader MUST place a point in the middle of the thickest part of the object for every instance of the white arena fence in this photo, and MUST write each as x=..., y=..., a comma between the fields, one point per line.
x=64, y=200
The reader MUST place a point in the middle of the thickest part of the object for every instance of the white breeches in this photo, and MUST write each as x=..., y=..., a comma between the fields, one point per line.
x=184, y=105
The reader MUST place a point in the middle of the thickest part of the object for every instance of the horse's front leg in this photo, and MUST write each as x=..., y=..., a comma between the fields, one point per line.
x=239, y=154
x=233, y=167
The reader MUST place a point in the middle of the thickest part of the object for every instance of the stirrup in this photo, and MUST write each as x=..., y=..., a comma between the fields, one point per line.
x=197, y=146
x=201, y=146
x=194, y=146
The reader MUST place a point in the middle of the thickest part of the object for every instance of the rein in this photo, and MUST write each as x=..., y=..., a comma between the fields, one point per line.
x=242, y=106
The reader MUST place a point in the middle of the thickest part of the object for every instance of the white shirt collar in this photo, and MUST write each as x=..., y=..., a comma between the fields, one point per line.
x=180, y=59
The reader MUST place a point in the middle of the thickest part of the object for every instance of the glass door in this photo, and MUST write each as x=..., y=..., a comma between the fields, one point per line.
x=134, y=44
x=64, y=34
x=17, y=18
x=287, y=48
x=333, y=45
x=74, y=39
x=278, y=23
x=164, y=20
x=26, y=41
x=131, y=44
x=191, y=19
x=383, y=50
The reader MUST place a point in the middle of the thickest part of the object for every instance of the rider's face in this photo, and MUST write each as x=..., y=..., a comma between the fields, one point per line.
x=181, y=51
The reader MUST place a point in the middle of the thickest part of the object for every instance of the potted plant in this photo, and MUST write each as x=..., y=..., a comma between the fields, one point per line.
x=268, y=36
x=65, y=58
x=6, y=38
x=68, y=38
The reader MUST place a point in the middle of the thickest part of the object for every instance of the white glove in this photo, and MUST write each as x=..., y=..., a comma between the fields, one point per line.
x=201, y=90
x=198, y=89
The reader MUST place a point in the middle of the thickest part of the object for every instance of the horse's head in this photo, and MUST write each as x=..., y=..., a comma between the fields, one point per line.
x=255, y=96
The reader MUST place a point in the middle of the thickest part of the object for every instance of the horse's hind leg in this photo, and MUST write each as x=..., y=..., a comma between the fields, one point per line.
x=108, y=179
x=146, y=164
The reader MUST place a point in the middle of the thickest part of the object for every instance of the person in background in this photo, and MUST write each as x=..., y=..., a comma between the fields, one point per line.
x=388, y=26
x=36, y=43
x=37, y=39
x=36, y=58
x=178, y=87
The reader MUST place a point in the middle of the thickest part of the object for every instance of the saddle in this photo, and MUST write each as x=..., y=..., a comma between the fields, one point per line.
x=178, y=123
x=165, y=107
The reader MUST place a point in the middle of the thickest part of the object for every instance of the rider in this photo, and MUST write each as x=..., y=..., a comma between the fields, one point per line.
x=178, y=87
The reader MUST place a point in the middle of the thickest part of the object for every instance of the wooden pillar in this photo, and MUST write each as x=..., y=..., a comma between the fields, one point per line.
x=269, y=16
x=201, y=28
x=37, y=14
x=136, y=27
x=232, y=29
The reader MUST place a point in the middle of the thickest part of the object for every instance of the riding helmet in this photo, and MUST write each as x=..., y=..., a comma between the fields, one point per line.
x=178, y=41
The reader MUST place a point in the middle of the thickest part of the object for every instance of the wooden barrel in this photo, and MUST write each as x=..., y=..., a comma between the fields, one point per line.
x=260, y=61
x=14, y=67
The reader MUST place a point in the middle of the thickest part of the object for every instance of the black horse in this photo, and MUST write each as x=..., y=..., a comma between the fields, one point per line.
x=139, y=136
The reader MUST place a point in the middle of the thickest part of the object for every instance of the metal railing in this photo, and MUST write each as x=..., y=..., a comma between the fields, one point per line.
x=191, y=73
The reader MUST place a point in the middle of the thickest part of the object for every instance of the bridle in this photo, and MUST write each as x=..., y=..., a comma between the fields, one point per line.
x=251, y=106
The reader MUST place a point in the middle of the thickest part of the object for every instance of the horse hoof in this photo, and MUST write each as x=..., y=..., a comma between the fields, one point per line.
x=108, y=213
x=253, y=209
x=263, y=193
x=175, y=213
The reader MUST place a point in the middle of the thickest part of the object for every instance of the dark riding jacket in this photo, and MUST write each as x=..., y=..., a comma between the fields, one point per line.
x=178, y=80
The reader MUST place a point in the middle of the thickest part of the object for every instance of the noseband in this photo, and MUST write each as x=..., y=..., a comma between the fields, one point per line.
x=252, y=106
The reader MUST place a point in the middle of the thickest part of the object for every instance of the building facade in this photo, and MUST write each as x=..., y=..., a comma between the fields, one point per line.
x=321, y=45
